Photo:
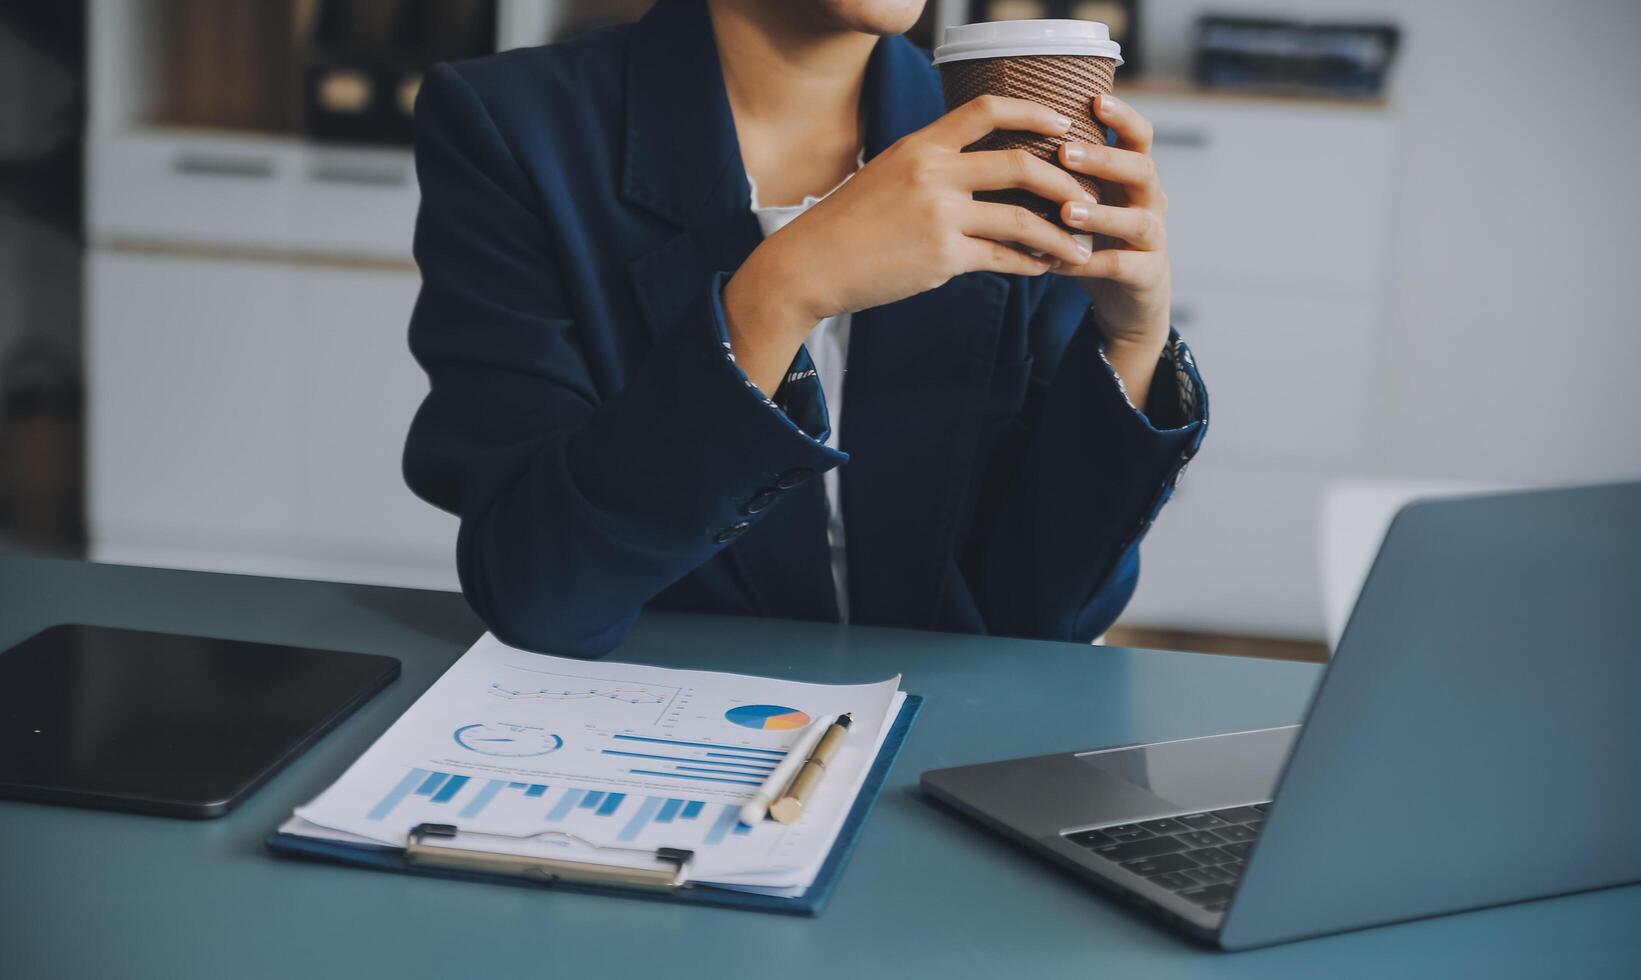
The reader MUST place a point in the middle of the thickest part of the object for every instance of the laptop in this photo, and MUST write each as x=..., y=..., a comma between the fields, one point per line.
x=1475, y=741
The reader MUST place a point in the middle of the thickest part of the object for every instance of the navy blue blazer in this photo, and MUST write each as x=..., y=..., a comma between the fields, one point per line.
x=582, y=205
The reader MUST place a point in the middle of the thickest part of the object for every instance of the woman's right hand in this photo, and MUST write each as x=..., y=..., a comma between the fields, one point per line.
x=906, y=223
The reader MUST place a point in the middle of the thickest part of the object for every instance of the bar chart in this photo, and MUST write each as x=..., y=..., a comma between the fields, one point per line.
x=444, y=787
x=694, y=762
x=693, y=822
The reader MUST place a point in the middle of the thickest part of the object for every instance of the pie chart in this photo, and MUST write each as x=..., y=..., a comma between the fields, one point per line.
x=767, y=716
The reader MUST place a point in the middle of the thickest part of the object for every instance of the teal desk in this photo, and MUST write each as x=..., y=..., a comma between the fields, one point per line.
x=89, y=894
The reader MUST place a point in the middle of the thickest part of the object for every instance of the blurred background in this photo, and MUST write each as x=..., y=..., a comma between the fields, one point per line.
x=1402, y=232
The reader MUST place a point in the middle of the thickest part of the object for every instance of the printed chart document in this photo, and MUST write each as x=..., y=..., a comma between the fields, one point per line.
x=605, y=762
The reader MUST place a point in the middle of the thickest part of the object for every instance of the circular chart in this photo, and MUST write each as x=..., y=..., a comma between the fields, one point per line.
x=502, y=739
x=770, y=716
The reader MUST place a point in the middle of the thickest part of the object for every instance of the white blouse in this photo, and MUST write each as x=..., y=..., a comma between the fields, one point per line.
x=828, y=345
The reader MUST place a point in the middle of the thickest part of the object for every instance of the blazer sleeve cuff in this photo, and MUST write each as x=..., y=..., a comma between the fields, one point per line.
x=1157, y=443
x=1178, y=399
x=799, y=398
x=716, y=456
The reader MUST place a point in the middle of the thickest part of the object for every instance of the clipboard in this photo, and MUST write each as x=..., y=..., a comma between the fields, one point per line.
x=420, y=857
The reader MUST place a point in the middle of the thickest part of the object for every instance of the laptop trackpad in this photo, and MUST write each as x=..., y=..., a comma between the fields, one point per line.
x=1193, y=774
x=1051, y=794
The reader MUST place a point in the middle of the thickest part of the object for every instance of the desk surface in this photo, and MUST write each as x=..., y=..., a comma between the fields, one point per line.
x=92, y=894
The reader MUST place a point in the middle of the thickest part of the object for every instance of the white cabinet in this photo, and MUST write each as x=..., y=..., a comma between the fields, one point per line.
x=249, y=382
x=1277, y=232
x=1289, y=375
x=357, y=390
x=249, y=416
x=250, y=193
x=1264, y=191
x=1234, y=552
x=190, y=375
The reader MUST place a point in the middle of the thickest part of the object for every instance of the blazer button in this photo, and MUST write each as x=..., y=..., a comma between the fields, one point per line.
x=761, y=500
x=793, y=477
x=731, y=532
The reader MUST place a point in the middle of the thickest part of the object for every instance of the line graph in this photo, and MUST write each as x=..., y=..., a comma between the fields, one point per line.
x=527, y=684
x=625, y=695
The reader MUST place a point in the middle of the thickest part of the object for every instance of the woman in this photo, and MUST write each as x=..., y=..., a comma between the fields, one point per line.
x=636, y=353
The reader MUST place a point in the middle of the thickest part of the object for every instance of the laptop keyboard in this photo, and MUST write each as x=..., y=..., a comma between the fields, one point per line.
x=1198, y=856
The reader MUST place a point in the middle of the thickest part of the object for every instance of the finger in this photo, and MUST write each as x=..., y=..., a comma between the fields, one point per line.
x=1133, y=130
x=980, y=116
x=1136, y=172
x=986, y=255
x=998, y=170
x=1138, y=227
x=1121, y=265
x=1011, y=223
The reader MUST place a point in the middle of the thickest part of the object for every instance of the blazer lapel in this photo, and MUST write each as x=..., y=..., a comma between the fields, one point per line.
x=918, y=370
x=668, y=278
x=914, y=396
x=914, y=402
x=681, y=161
x=679, y=133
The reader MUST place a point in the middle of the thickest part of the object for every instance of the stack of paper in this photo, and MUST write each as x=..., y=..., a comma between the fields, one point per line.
x=605, y=762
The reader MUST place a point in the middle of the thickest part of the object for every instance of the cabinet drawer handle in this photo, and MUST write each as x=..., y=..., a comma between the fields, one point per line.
x=212, y=165
x=396, y=174
x=1193, y=139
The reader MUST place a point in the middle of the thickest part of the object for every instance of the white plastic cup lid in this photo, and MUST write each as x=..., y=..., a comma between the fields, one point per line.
x=1016, y=38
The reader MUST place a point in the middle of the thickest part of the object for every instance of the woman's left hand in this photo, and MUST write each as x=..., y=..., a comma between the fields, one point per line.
x=1127, y=274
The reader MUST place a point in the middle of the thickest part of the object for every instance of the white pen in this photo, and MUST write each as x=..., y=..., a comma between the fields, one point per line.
x=753, y=812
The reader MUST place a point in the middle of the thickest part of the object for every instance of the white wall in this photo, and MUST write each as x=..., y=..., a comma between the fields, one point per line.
x=1511, y=342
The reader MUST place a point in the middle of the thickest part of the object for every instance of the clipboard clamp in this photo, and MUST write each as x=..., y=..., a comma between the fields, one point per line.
x=419, y=851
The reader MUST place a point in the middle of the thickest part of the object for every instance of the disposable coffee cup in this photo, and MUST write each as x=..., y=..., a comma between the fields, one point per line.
x=1062, y=64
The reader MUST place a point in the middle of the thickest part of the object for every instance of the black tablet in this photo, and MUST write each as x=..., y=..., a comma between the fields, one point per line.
x=182, y=726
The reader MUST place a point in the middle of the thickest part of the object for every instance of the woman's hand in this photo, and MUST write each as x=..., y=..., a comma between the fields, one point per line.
x=1128, y=274
x=906, y=223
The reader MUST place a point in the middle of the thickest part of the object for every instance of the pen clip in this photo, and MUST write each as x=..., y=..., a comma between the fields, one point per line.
x=419, y=851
